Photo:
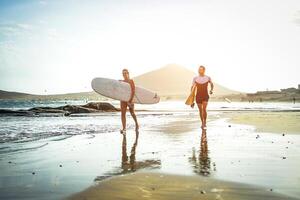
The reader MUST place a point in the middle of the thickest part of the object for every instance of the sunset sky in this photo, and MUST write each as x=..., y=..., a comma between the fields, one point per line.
x=58, y=46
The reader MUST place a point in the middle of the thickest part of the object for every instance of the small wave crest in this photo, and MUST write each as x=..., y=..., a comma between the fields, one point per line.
x=13, y=149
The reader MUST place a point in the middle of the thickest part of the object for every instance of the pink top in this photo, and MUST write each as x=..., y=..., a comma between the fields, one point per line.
x=201, y=79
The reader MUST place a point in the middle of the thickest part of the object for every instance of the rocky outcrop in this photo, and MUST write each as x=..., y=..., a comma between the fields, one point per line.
x=15, y=112
x=103, y=106
x=92, y=107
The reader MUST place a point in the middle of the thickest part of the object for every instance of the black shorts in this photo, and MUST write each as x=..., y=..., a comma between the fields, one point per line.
x=201, y=98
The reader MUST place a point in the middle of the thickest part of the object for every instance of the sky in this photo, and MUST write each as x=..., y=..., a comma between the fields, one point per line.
x=59, y=46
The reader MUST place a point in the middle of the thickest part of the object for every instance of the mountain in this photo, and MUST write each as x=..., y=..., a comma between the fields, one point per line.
x=12, y=95
x=170, y=81
x=69, y=96
x=174, y=80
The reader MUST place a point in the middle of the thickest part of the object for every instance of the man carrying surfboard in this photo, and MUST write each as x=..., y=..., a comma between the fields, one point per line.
x=200, y=85
x=129, y=104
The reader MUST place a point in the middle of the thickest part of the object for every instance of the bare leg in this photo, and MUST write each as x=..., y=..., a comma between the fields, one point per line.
x=131, y=109
x=123, y=106
x=200, y=112
x=204, y=103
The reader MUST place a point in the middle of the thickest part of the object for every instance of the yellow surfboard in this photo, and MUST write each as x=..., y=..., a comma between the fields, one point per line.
x=191, y=98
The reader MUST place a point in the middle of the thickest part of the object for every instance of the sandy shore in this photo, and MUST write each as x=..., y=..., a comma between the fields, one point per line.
x=273, y=122
x=252, y=165
x=171, y=187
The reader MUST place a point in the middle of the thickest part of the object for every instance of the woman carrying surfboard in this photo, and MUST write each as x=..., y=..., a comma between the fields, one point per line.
x=200, y=84
x=129, y=104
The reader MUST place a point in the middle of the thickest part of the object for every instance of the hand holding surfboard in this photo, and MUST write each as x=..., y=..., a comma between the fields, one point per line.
x=191, y=98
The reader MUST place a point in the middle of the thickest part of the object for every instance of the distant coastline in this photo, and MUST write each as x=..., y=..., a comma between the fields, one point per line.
x=284, y=95
x=168, y=86
x=287, y=94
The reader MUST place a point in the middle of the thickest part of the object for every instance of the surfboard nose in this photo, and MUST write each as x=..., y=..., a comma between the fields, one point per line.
x=93, y=83
x=156, y=97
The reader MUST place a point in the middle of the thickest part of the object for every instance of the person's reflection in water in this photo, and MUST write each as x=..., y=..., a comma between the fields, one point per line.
x=129, y=166
x=129, y=163
x=202, y=165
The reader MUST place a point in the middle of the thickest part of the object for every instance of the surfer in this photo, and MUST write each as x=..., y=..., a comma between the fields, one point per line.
x=200, y=83
x=129, y=104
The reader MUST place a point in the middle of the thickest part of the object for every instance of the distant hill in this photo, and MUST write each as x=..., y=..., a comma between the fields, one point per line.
x=12, y=95
x=70, y=96
x=170, y=81
x=174, y=80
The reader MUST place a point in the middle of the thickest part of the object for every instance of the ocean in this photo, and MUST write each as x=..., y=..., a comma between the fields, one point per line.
x=32, y=128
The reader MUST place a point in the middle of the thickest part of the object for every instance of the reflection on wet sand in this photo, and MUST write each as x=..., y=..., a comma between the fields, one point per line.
x=129, y=166
x=132, y=165
x=129, y=163
x=202, y=165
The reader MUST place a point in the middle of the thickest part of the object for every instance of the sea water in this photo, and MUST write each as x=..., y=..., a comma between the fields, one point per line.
x=31, y=128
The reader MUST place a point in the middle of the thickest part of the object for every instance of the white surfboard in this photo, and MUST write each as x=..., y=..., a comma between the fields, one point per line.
x=120, y=90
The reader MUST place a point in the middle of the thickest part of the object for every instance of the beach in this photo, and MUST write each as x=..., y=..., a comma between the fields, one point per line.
x=167, y=187
x=283, y=122
x=108, y=99
x=84, y=155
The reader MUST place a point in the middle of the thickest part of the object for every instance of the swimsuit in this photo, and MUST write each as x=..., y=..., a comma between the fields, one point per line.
x=201, y=84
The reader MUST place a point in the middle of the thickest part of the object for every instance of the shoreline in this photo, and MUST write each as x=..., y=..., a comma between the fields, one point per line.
x=40, y=111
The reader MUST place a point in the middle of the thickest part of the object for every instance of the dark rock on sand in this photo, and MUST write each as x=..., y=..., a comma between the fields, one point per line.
x=101, y=106
x=15, y=112
x=66, y=110
x=45, y=110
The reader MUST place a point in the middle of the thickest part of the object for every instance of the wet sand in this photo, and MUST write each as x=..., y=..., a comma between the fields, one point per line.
x=235, y=153
x=227, y=156
x=272, y=122
x=160, y=186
